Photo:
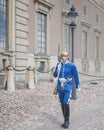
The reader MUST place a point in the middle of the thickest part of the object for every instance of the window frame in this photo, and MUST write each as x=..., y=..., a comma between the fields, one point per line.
x=97, y=18
x=42, y=33
x=4, y=42
x=67, y=38
x=84, y=45
x=67, y=2
x=85, y=10
x=97, y=50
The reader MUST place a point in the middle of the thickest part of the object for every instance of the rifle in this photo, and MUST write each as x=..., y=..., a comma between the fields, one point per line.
x=59, y=52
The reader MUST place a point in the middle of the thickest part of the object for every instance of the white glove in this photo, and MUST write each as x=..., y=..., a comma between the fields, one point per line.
x=78, y=89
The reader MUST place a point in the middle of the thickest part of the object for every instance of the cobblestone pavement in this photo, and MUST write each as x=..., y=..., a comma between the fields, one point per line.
x=39, y=109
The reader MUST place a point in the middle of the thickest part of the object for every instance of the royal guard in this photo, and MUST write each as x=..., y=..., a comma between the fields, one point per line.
x=65, y=71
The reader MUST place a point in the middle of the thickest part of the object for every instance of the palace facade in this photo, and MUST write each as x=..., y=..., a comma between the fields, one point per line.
x=34, y=32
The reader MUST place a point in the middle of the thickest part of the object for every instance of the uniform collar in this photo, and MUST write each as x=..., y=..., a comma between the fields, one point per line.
x=65, y=62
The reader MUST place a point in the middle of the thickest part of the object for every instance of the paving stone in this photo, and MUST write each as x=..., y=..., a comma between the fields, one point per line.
x=39, y=109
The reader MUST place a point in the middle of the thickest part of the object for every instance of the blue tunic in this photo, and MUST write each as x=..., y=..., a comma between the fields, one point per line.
x=67, y=70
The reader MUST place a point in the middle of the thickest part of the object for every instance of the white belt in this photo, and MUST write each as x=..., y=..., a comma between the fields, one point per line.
x=63, y=81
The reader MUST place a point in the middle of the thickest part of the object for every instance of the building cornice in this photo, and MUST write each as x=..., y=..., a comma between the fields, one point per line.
x=45, y=2
x=98, y=4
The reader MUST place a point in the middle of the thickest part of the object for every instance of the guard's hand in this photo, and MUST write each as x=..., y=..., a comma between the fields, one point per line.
x=78, y=89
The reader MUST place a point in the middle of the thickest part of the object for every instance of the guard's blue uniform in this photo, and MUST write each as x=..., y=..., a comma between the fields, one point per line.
x=68, y=71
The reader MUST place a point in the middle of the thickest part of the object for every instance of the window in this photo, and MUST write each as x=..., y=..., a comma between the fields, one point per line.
x=84, y=45
x=67, y=2
x=97, y=18
x=67, y=37
x=84, y=10
x=41, y=33
x=97, y=49
x=3, y=23
x=42, y=66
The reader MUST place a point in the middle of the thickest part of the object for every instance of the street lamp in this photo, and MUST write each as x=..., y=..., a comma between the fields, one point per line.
x=73, y=18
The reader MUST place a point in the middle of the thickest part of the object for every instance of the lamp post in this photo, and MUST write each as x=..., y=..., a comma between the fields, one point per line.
x=73, y=17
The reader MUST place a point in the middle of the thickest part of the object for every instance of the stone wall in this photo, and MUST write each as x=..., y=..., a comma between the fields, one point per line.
x=21, y=32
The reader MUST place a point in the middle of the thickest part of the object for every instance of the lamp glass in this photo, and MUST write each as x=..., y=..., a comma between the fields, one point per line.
x=73, y=19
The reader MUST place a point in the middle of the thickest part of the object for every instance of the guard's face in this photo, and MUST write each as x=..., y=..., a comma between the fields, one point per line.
x=64, y=58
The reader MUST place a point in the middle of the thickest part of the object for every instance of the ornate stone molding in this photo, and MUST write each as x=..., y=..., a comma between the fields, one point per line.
x=84, y=23
x=98, y=30
x=64, y=13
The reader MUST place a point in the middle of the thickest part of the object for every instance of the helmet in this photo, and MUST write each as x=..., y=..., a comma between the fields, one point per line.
x=63, y=53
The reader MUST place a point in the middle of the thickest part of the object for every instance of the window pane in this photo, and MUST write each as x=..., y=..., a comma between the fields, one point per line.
x=39, y=27
x=1, y=23
x=5, y=2
x=39, y=49
x=39, y=38
x=39, y=33
x=2, y=31
x=39, y=21
x=43, y=28
x=43, y=34
x=43, y=39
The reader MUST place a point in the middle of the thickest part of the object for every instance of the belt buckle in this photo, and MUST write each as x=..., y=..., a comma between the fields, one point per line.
x=69, y=79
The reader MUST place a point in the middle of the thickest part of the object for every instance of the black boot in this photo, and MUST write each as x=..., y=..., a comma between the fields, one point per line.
x=66, y=124
x=63, y=112
x=66, y=116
